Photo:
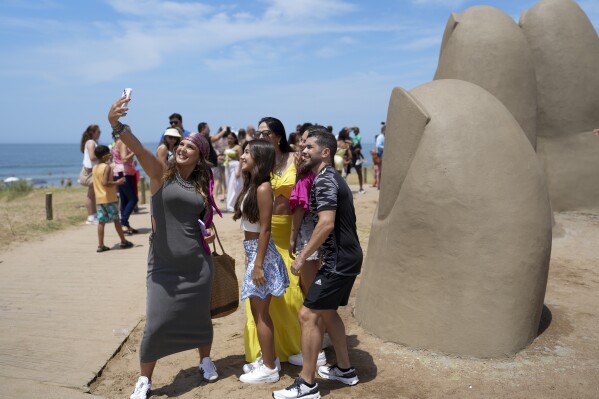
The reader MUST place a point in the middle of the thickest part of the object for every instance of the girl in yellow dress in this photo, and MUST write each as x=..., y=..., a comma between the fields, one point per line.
x=283, y=310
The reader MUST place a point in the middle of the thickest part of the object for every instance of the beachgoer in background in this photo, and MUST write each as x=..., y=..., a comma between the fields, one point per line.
x=233, y=171
x=283, y=310
x=357, y=157
x=266, y=274
x=294, y=139
x=219, y=141
x=124, y=167
x=250, y=133
x=170, y=141
x=89, y=141
x=176, y=121
x=241, y=136
x=343, y=155
x=106, y=199
x=179, y=262
x=204, y=130
x=331, y=204
x=380, y=147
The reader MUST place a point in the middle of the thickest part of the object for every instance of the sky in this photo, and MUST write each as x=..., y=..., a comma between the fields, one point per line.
x=229, y=62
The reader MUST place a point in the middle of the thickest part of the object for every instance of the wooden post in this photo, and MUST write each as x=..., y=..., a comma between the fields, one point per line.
x=49, y=215
x=142, y=180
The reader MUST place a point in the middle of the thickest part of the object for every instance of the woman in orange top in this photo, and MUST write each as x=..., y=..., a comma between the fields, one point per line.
x=283, y=310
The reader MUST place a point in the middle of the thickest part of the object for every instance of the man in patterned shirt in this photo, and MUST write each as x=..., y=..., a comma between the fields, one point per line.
x=335, y=234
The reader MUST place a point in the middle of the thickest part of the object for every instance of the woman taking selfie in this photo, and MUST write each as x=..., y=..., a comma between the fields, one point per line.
x=180, y=267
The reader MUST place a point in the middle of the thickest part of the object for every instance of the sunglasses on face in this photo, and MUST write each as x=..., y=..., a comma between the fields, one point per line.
x=174, y=123
x=263, y=133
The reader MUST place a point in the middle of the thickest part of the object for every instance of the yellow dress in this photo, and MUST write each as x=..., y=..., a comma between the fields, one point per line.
x=283, y=310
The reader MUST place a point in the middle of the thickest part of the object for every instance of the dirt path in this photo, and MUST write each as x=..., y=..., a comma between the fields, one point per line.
x=563, y=362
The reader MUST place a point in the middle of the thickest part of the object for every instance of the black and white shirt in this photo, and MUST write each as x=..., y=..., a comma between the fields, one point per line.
x=341, y=251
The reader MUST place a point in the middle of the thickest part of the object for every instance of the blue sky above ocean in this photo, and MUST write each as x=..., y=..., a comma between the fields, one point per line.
x=62, y=63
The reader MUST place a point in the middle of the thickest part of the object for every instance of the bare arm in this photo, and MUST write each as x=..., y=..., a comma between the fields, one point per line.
x=153, y=167
x=298, y=216
x=265, y=207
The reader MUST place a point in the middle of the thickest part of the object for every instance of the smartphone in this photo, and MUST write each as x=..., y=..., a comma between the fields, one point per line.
x=127, y=95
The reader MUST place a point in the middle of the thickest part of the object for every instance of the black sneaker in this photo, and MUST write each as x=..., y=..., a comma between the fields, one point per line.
x=348, y=377
x=298, y=389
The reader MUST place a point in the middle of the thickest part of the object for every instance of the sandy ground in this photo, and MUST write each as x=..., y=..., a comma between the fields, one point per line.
x=562, y=362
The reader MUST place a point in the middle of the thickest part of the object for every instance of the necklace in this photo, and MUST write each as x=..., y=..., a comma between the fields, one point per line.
x=280, y=166
x=184, y=183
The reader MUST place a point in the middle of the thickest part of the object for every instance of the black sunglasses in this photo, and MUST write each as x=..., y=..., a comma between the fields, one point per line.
x=174, y=122
x=263, y=133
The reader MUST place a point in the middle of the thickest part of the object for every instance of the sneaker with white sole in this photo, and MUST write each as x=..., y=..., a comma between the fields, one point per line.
x=208, y=370
x=260, y=375
x=298, y=360
x=298, y=389
x=333, y=372
x=250, y=366
x=142, y=388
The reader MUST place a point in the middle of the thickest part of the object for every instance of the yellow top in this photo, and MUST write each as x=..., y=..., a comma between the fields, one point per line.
x=104, y=194
x=283, y=185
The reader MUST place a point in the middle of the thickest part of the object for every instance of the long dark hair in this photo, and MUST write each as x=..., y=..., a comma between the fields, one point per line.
x=200, y=177
x=276, y=126
x=88, y=135
x=264, y=156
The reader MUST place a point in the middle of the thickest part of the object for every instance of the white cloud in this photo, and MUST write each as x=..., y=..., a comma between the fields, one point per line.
x=301, y=9
x=163, y=9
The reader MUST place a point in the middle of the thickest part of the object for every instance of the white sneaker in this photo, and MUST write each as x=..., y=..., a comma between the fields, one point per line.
x=298, y=360
x=142, y=388
x=298, y=389
x=250, y=366
x=333, y=373
x=260, y=375
x=91, y=221
x=208, y=370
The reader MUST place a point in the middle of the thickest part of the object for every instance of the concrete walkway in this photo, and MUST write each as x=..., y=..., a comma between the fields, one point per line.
x=61, y=306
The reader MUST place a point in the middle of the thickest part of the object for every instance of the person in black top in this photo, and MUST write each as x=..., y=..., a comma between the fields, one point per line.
x=335, y=234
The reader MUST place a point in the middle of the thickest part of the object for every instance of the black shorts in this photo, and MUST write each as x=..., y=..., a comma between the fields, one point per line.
x=329, y=291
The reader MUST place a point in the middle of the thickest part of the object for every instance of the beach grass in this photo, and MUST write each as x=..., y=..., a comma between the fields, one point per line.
x=23, y=215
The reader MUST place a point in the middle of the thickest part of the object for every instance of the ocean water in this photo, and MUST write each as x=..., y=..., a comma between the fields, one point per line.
x=51, y=164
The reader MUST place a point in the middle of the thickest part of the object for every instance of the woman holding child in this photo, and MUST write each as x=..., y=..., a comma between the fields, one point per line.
x=180, y=266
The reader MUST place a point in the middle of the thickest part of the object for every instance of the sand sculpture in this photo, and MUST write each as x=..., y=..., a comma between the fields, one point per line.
x=565, y=50
x=459, y=248
x=483, y=45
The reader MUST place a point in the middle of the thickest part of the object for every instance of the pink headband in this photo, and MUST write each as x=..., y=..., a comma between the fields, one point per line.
x=200, y=142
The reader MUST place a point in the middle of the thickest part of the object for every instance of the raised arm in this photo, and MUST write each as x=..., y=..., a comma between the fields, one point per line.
x=153, y=167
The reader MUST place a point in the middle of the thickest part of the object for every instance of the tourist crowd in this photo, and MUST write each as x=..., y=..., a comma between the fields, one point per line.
x=295, y=208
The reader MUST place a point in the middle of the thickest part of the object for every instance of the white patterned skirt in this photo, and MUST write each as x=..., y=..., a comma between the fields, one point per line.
x=275, y=272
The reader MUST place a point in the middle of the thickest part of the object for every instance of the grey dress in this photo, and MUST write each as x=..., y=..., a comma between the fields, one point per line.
x=179, y=277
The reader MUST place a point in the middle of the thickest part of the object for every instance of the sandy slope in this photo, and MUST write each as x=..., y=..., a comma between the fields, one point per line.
x=563, y=362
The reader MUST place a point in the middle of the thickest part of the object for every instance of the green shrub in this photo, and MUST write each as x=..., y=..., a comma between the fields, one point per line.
x=14, y=190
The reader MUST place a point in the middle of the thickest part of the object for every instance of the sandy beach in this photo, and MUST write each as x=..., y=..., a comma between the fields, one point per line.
x=77, y=345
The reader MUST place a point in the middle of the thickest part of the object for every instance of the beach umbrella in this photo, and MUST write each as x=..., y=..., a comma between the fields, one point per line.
x=11, y=179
